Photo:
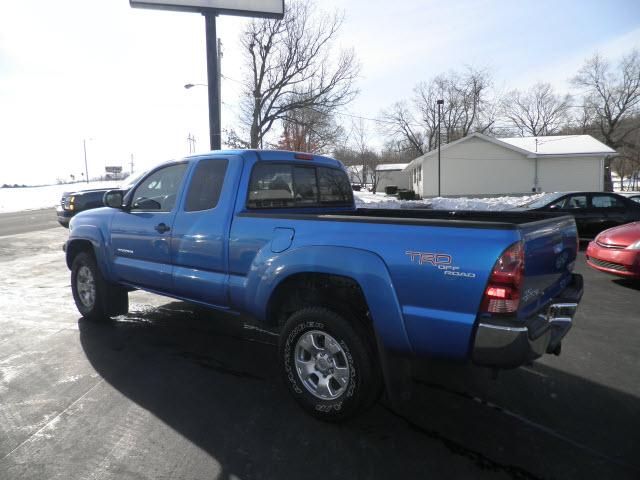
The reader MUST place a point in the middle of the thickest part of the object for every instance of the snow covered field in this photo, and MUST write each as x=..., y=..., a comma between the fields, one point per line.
x=34, y=198
x=381, y=200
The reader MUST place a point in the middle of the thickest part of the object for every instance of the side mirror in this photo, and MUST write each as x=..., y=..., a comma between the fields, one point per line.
x=114, y=199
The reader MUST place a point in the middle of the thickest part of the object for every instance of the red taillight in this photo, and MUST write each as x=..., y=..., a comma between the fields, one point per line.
x=303, y=156
x=502, y=294
x=497, y=292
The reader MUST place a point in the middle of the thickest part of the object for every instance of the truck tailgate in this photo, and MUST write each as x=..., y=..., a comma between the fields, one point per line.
x=551, y=247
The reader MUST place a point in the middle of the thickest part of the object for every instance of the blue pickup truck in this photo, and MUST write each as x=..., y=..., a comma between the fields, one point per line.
x=276, y=236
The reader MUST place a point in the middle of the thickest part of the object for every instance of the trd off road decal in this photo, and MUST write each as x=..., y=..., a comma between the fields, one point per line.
x=441, y=261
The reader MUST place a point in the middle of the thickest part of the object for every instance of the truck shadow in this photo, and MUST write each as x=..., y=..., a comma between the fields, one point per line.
x=214, y=379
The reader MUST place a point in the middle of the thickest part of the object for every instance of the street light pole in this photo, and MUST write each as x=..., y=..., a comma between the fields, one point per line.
x=439, y=102
x=86, y=169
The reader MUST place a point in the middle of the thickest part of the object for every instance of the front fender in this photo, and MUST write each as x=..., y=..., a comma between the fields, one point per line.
x=92, y=234
x=366, y=268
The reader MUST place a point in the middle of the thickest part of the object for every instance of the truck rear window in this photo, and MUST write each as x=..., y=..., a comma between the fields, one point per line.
x=275, y=185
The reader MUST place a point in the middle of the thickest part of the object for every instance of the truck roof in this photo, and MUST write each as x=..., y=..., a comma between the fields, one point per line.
x=276, y=155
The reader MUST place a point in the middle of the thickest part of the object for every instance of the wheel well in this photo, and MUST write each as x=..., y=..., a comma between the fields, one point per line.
x=340, y=293
x=77, y=246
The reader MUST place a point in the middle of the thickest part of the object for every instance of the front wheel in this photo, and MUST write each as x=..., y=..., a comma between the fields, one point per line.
x=94, y=297
x=329, y=364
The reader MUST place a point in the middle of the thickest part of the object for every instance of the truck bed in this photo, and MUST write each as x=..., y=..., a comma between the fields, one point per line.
x=447, y=218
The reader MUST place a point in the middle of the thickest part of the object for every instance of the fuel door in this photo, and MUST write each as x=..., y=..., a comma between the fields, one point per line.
x=282, y=239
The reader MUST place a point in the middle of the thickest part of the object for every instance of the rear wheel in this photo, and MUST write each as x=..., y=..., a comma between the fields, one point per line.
x=94, y=297
x=329, y=364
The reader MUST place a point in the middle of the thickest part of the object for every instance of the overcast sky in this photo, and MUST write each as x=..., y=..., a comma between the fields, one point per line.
x=99, y=70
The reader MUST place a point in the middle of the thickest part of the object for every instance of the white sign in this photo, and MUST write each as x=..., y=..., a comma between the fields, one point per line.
x=249, y=8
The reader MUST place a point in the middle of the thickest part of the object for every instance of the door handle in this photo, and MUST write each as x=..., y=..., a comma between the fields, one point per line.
x=162, y=228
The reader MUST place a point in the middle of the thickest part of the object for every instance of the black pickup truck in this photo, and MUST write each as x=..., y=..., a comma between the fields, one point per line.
x=76, y=201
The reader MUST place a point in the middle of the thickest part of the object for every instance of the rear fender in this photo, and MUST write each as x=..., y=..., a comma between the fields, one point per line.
x=366, y=268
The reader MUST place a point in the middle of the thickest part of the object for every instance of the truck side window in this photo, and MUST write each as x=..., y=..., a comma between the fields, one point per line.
x=271, y=186
x=334, y=186
x=206, y=185
x=159, y=190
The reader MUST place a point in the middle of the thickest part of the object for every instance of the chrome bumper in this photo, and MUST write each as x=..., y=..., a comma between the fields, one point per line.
x=510, y=343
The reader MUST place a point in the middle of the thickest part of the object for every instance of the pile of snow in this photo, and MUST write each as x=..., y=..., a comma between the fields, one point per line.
x=35, y=198
x=381, y=200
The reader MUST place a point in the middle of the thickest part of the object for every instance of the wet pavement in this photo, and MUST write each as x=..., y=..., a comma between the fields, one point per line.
x=176, y=391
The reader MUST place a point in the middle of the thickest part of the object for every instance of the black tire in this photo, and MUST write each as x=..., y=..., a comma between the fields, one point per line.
x=108, y=300
x=356, y=350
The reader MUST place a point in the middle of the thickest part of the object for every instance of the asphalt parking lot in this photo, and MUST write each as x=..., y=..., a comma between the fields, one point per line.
x=175, y=391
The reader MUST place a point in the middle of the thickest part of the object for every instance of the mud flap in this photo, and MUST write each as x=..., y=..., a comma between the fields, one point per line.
x=397, y=374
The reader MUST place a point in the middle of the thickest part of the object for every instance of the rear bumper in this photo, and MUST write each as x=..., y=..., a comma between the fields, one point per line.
x=509, y=343
x=616, y=261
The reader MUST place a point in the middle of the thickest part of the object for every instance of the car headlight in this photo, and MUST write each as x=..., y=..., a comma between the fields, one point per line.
x=634, y=246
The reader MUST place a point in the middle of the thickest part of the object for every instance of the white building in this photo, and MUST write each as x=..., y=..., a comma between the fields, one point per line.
x=392, y=174
x=483, y=165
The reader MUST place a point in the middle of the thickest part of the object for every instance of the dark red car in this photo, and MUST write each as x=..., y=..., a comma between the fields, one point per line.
x=617, y=251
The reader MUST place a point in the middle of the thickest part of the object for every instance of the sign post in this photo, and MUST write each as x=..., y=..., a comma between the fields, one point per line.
x=211, y=9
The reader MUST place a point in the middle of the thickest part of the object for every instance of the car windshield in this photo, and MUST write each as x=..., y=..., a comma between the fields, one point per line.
x=543, y=200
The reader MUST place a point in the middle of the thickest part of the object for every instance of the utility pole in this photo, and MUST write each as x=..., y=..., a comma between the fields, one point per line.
x=131, y=163
x=213, y=81
x=439, y=102
x=86, y=169
x=192, y=143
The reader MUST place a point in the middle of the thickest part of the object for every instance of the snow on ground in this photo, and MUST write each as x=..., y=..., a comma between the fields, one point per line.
x=381, y=200
x=34, y=198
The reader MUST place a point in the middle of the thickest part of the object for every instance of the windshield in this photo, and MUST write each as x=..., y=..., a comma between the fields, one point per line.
x=543, y=200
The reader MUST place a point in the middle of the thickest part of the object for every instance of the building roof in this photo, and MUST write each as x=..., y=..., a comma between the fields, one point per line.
x=391, y=166
x=560, y=145
x=547, y=146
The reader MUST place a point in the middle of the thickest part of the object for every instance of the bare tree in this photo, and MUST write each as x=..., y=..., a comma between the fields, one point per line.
x=537, y=111
x=234, y=139
x=309, y=130
x=398, y=151
x=613, y=97
x=399, y=122
x=627, y=164
x=292, y=66
x=466, y=109
x=360, y=159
